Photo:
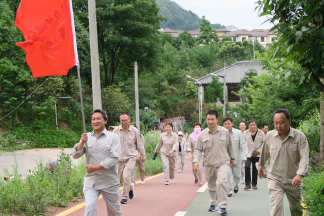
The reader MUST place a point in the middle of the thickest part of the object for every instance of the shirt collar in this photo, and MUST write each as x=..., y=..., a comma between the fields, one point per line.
x=218, y=129
x=103, y=132
x=291, y=133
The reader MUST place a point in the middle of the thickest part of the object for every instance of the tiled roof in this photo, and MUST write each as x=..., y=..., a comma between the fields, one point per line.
x=234, y=72
x=252, y=33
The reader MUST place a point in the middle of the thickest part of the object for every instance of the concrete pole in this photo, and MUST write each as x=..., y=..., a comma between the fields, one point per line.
x=136, y=98
x=200, y=95
x=224, y=108
x=95, y=68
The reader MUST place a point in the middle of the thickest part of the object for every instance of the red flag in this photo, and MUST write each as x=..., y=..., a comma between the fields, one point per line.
x=50, y=43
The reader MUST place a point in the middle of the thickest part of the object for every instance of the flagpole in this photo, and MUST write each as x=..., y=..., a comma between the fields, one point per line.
x=82, y=111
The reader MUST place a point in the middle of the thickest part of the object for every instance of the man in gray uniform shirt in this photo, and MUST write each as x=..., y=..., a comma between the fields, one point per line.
x=288, y=151
x=241, y=151
x=216, y=144
x=103, y=151
x=132, y=143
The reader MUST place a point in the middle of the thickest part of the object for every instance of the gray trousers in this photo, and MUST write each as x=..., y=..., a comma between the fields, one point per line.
x=169, y=164
x=198, y=173
x=125, y=169
x=111, y=197
x=217, y=184
x=276, y=194
x=141, y=169
x=233, y=176
x=181, y=160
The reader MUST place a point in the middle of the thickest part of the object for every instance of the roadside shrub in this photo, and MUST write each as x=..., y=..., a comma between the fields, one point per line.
x=47, y=137
x=311, y=128
x=313, y=193
x=152, y=167
x=42, y=188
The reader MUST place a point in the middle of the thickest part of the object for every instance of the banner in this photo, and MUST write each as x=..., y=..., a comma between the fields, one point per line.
x=48, y=28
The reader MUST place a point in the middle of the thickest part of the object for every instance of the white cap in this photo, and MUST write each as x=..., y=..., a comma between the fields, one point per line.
x=180, y=133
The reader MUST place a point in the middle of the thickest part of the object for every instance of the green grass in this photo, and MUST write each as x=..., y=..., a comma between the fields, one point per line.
x=43, y=188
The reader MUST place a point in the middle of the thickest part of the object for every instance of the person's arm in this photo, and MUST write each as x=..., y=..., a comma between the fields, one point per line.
x=303, y=163
x=175, y=145
x=259, y=150
x=265, y=154
x=198, y=152
x=140, y=145
x=79, y=149
x=231, y=150
x=159, y=145
x=244, y=148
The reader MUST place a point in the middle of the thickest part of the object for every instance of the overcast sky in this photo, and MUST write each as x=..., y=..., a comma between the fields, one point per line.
x=239, y=13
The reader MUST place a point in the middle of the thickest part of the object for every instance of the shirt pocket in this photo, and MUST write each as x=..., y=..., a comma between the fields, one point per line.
x=206, y=145
x=293, y=147
x=273, y=151
x=131, y=140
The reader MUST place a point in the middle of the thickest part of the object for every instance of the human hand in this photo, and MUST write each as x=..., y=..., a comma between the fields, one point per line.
x=297, y=181
x=196, y=166
x=171, y=152
x=190, y=158
x=91, y=168
x=84, y=137
x=232, y=162
x=261, y=173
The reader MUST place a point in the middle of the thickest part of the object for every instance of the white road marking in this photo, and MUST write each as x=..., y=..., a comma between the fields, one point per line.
x=180, y=213
x=203, y=188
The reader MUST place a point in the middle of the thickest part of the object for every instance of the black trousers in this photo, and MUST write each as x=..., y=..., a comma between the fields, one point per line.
x=248, y=162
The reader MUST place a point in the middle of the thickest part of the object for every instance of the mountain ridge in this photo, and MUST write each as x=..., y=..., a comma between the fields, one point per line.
x=179, y=18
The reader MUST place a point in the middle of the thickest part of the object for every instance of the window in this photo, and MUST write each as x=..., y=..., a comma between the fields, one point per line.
x=262, y=39
x=243, y=38
x=231, y=88
x=273, y=39
x=234, y=39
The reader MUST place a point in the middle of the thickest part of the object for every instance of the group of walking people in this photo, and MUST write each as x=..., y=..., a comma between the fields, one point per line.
x=220, y=151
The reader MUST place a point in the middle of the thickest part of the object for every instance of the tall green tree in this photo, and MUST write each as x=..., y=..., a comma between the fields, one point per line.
x=209, y=34
x=300, y=28
x=127, y=32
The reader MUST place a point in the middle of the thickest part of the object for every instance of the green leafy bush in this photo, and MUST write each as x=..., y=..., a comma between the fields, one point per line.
x=311, y=128
x=48, y=186
x=313, y=193
x=152, y=167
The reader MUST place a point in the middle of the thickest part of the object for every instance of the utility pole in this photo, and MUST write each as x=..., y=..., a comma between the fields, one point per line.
x=95, y=68
x=224, y=108
x=136, y=98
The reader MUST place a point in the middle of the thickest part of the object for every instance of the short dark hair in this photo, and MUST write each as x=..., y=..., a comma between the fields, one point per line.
x=103, y=112
x=243, y=122
x=265, y=125
x=169, y=123
x=227, y=118
x=253, y=120
x=125, y=113
x=212, y=112
x=194, y=125
x=284, y=111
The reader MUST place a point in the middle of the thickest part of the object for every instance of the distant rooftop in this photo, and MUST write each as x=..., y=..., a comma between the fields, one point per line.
x=234, y=73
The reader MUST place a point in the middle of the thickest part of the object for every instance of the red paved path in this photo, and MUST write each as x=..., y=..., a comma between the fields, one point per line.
x=154, y=198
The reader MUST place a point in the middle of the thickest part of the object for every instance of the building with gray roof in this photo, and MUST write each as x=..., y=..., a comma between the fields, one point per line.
x=233, y=75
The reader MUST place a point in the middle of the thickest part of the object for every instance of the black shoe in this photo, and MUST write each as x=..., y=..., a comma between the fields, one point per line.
x=247, y=187
x=131, y=194
x=265, y=176
x=235, y=190
x=123, y=201
x=229, y=195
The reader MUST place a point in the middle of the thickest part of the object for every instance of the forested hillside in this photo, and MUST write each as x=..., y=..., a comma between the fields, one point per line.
x=179, y=18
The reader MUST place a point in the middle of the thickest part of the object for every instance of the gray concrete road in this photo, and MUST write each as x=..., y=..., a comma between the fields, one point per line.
x=28, y=159
x=244, y=203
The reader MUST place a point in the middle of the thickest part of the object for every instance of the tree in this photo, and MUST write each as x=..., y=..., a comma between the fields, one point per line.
x=214, y=90
x=300, y=28
x=127, y=32
x=209, y=34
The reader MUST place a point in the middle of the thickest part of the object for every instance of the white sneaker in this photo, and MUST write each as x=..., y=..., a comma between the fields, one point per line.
x=143, y=182
x=167, y=183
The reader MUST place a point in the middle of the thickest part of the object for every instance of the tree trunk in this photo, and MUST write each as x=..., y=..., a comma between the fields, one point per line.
x=322, y=126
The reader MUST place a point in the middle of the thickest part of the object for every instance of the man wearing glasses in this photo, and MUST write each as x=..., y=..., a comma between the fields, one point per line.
x=132, y=143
